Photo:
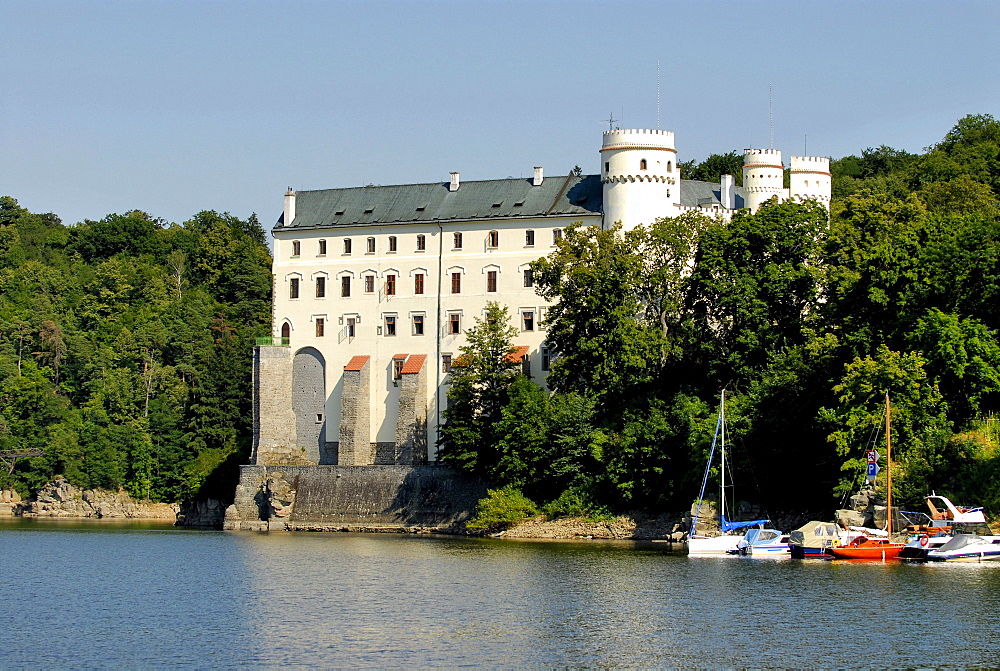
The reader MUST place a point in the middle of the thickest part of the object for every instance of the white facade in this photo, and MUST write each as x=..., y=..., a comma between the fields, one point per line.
x=385, y=271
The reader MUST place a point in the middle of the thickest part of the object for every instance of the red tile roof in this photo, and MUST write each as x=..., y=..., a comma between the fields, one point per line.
x=400, y=356
x=414, y=364
x=356, y=363
x=517, y=354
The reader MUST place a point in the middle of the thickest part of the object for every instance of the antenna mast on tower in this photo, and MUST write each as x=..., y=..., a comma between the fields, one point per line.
x=657, y=95
x=770, y=113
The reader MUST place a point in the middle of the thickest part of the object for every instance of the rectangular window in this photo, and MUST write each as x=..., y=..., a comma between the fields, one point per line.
x=528, y=320
x=293, y=287
x=347, y=245
x=418, y=283
x=529, y=277
x=296, y=247
x=369, y=284
x=556, y=235
x=371, y=245
x=392, y=243
x=454, y=323
x=458, y=241
x=390, y=285
x=456, y=283
x=491, y=280
x=322, y=247
x=320, y=287
x=529, y=238
x=445, y=363
x=352, y=323
x=345, y=286
x=390, y=325
x=397, y=368
x=543, y=313
x=545, y=358
x=418, y=325
x=320, y=327
x=494, y=239
x=421, y=243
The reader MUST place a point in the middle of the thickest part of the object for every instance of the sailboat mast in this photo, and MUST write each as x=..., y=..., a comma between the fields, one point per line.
x=888, y=469
x=722, y=415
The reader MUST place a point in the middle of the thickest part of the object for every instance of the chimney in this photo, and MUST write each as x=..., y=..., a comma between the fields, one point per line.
x=727, y=192
x=454, y=182
x=537, y=181
x=289, y=207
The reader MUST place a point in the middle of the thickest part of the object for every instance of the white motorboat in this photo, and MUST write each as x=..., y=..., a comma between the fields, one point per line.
x=940, y=525
x=967, y=548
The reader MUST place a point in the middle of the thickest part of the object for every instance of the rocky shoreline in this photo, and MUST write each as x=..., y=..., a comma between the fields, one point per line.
x=62, y=499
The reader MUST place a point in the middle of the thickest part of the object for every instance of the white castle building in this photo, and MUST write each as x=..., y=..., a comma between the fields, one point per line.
x=375, y=287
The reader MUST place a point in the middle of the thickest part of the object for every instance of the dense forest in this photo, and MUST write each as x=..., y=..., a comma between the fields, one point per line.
x=806, y=318
x=125, y=350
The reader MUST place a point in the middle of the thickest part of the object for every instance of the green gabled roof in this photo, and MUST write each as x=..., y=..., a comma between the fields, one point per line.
x=411, y=203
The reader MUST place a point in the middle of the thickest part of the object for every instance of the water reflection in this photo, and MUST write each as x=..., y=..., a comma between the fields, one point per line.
x=158, y=597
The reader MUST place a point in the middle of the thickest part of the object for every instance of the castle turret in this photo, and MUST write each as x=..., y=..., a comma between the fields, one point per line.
x=763, y=177
x=640, y=176
x=810, y=178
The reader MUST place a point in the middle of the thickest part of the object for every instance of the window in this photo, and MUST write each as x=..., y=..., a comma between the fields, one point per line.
x=286, y=333
x=296, y=247
x=556, y=235
x=670, y=166
x=418, y=283
x=642, y=164
x=546, y=362
x=293, y=287
x=421, y=243
x=445, y=363
x=390, y=285
x=494, y=239
x=529, y=277
x=345, y=286
x=390, y=325
x=528, y=320
x=352, y=323
x=458, y=241
x=322, y=247
x=543, y=313
x=418, y=325
x=320, y=327
x=320, y=287
x=371, y=245
x=491, y=280
x=607, y=166
x=347, y=245
x=454, y=323
x=397, y=368
x=369, y=284
x=392, y=243
x=456, y=283
x=529, y=238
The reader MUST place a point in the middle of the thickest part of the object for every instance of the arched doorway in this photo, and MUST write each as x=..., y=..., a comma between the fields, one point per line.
x=309, y=402
x=286, y=333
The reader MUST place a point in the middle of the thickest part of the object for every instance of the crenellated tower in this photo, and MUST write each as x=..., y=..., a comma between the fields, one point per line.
x=763, y=177
x=810, y=178
x=640, y=176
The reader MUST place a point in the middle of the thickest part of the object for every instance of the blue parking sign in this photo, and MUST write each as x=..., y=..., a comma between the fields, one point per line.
x=872, y=470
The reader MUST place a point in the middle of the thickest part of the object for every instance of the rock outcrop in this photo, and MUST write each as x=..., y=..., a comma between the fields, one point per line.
x=62, y=499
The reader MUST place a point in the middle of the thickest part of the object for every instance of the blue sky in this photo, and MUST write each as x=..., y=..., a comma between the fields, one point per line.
x=173, y=107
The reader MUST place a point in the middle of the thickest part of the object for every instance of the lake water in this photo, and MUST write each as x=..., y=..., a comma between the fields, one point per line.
x=133, y=595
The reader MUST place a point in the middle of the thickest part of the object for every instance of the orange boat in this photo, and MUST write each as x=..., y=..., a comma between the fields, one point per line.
x=875, y=549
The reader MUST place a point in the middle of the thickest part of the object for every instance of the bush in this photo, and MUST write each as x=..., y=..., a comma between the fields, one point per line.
x=502, y=509
x=576, y=502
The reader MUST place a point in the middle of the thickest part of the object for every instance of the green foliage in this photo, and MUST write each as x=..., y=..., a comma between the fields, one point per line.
x=123, y=359
x=501, y=509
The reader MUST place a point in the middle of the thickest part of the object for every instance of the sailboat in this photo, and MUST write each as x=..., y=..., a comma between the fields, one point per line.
x=865, y=547
x=730, y=542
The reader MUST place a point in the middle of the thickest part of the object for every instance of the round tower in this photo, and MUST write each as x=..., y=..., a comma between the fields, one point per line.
x=810, y=178
x=640, y=176
x=763, y=177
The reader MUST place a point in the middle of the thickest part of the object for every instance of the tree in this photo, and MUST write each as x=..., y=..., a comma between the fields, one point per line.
x=481, y=378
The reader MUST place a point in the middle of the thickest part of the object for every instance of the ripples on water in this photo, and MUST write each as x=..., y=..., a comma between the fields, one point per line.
x=86, y=596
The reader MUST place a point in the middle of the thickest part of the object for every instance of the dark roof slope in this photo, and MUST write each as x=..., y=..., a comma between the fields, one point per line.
x=410, y=203
x=494, y=198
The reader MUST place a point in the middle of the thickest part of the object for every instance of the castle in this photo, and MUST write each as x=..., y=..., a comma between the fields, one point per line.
x=375, y=287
